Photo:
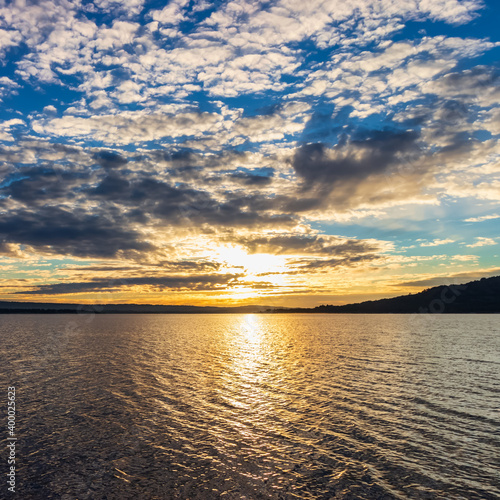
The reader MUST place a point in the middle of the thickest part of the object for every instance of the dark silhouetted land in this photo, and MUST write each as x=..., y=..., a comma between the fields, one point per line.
x=51, y=308
x=481, y=296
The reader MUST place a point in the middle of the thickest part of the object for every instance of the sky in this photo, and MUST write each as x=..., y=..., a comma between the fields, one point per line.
x=283, y=152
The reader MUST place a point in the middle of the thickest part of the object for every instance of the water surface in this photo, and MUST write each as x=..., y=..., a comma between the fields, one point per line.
x=255, y=406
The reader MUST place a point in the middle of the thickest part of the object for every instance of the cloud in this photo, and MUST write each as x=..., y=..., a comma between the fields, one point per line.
x=50, y=109
x=492, y=122
x=8, y=39
x=182, y=266
x=286, y=120
x=54, y=33
x=479, y=85
x=482, y=218
x=318, y=264
x=354, y=161
x=240, y=48
x=451, y=11
x=134, y=127
x=61, y=231
x=7, y=87
x=172, y=13
x=109, y=159
x=376, y=169
x=155, y=199
x=128, y=7
x=435, y=243
x=383, y=73
x=159, y=283
x=482, y=242
x=455, y=279
x=249, y=179
x=321, y=245
x=465, y=258
x=79, y=209
x=6, y=127
x=13, y=250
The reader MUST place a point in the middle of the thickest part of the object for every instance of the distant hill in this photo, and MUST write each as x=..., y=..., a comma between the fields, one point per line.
x=50, y=308
x=481, y=296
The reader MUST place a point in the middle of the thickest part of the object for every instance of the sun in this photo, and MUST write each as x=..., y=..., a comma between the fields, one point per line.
x=253, y=264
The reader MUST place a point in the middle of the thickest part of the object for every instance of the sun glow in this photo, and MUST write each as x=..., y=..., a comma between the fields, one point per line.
x=253, y=264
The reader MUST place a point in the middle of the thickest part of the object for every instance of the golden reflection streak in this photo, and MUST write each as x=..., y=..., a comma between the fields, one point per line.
x=249, y=350
x=257, y=358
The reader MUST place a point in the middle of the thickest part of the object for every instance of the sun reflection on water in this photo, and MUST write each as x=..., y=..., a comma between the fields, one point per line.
x=251, y=329
x=248, y=353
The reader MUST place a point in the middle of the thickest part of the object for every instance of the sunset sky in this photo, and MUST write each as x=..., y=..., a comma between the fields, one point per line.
x=282, y=152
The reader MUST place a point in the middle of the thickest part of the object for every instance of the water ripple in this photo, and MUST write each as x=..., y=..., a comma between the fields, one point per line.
x=255, y=407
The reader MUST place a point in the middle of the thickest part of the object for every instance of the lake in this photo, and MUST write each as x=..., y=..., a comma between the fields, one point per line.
x=283, y=406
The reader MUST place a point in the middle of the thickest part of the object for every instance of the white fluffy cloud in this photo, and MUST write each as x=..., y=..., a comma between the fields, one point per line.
x=6, y=127
x=173, y=13
x=240, y=48
x=483, y=218
x=482, y=242
x=129, y=128
x=436, y=242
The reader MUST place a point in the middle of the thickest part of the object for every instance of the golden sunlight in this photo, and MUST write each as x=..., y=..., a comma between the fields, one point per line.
x=253, y=264
x=251, y=328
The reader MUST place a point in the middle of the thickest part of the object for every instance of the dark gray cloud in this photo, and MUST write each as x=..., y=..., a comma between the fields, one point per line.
x=309, y=265
x=109, y=159
x=175, y=204
x=318, y=245
x=451, y=112
x=480, y=82
x=353, y=161
x=40, y=185
x=249, y=179
x=120, y=199
x=100, y=269
x=190, y=266
x=112, y=186
x=192, y=282
x=78, y=233
x=175, y=266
